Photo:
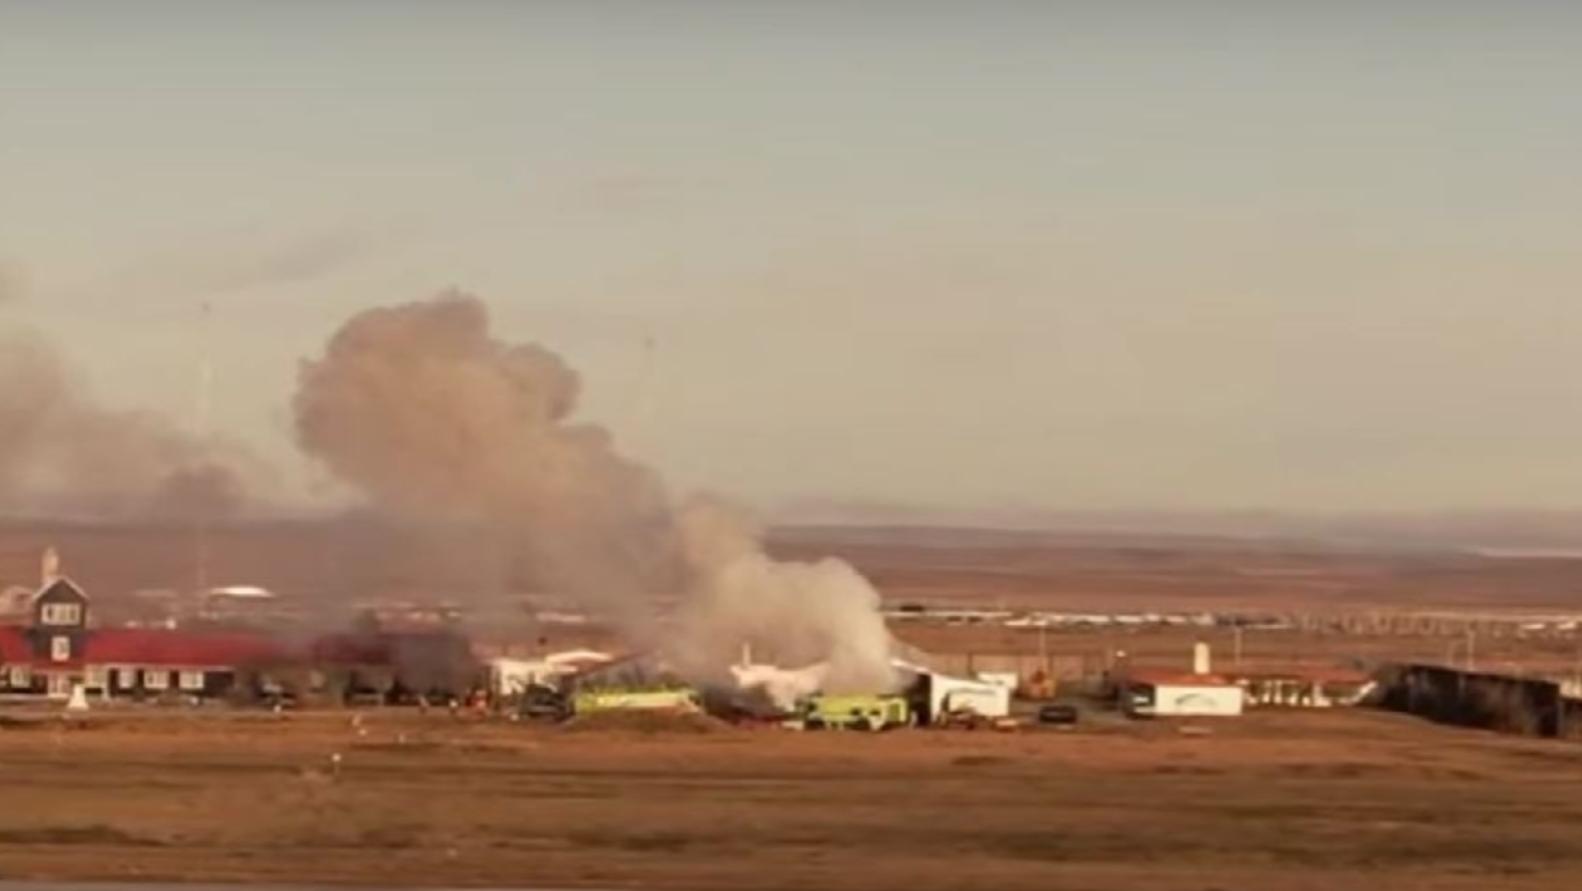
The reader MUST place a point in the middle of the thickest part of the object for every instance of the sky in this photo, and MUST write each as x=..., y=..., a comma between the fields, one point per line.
x=1041, y=256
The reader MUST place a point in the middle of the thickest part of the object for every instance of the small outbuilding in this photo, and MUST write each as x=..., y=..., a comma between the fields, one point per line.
x=1183, y=694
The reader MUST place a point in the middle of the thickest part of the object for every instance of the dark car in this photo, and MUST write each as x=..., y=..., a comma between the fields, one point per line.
x=544, y=704
x=1057, y=714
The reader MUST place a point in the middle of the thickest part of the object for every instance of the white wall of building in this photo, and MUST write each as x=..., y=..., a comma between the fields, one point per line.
x=946, y=693
x=1010, y=680
x=1190, y=700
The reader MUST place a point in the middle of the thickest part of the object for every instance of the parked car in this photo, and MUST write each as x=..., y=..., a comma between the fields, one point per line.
x=543, y=703
x=1057, y=714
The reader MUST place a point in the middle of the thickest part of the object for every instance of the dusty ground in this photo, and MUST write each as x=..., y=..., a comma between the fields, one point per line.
x=329, y=561
x=1295, y=801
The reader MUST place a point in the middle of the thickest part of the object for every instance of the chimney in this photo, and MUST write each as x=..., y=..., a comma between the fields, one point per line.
x=1200, y=659
x=49, y=567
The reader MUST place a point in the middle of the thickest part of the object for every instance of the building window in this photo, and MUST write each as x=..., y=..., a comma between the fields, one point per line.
x=126, y=678
x=156, y=680
x=62, y=614
x=97, y=677
x=192, y=680
x=60, y=648
x=21, y=677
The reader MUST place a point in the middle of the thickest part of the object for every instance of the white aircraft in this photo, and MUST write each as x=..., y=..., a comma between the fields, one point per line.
x=783, y=686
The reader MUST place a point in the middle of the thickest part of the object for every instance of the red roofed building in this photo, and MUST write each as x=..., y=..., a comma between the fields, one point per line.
x=1199, y=692
x=14, y=647
x=1177, y=693
x=49, y=647
x=55, y=648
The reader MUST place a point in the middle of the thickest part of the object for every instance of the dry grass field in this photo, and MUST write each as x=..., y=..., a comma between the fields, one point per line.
x=1288, y=800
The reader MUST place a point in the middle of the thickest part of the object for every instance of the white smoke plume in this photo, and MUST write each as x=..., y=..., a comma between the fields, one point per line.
x=793, y=612
x=421, y=408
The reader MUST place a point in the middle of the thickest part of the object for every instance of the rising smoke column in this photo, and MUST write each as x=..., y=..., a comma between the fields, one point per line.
x=422, y=409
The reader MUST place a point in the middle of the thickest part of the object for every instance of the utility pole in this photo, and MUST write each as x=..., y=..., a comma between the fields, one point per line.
x=202, y=423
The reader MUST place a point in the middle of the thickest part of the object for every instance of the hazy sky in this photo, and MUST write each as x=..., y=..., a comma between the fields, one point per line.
x=962, y=254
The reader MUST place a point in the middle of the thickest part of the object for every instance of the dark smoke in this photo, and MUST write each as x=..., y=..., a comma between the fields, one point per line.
x=422, y=409
x=419, y=407
x=62, y=453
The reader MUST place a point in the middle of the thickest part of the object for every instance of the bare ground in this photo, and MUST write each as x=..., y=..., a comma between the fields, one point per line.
x=1293, y=800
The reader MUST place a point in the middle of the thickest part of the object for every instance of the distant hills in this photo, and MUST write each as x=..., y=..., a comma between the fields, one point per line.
x=1499, y=533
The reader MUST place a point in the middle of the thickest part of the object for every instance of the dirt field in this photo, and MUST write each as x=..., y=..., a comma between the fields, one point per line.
x=326, y=562
x=1298, y=801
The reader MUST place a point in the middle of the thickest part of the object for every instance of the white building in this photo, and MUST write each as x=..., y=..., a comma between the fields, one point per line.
x=983, y=698
x=1180, y=694
x=1185, y=694
x=1010, y=680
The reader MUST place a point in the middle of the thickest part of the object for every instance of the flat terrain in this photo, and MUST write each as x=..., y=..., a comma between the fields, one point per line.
x=325, y=564
x=1345, y=799
x=1139, y=573
x=1292, y=800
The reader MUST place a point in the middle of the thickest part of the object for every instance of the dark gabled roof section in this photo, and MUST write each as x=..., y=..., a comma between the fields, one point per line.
x=58, y=583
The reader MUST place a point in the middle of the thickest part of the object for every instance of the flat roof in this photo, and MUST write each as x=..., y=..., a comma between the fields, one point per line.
x=1168, y=678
